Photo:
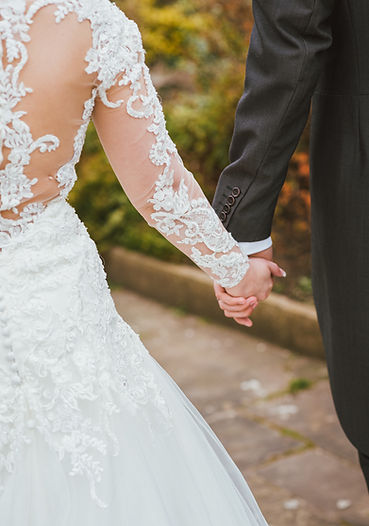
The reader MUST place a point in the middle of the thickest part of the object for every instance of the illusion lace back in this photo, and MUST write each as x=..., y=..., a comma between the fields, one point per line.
x=45, y=106
x=90, y=425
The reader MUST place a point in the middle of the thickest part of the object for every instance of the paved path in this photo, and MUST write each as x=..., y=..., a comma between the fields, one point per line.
x=297, y=461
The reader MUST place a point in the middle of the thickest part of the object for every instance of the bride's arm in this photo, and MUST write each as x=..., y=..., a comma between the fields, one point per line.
x=131, y=126
x=130, y=123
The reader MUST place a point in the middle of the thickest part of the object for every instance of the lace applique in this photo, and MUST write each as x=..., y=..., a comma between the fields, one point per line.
x=66, y=175
x=192, y=220
x=11, y=228
x=137, y=383
x=14, y=132
x=79, y=362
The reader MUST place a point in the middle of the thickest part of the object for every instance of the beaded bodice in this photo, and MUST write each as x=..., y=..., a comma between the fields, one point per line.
x=64, y=62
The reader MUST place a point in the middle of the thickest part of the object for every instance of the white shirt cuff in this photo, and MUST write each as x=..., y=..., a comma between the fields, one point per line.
x=252, y=247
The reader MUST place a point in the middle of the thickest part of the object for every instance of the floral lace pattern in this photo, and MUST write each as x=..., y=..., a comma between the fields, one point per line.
x=15, y=134
x=66, y=387
x=192, y=220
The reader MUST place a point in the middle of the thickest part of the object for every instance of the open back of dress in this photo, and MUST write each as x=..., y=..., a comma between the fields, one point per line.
x=44, y=87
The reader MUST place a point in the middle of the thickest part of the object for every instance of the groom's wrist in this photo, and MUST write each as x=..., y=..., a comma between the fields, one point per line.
x=252, y=247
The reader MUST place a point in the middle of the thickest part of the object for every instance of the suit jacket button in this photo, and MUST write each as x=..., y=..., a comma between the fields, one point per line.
x=230, y=200
x=226, y=209
x=223, y=216
x=236, y=191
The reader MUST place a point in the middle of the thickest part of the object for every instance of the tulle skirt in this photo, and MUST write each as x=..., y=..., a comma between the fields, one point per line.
x=93, y=431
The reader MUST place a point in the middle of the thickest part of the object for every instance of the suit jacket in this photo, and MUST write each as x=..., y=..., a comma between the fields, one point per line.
x=302, y=51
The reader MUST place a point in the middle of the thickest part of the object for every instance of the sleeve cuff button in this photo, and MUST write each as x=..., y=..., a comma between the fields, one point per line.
x=226, y=209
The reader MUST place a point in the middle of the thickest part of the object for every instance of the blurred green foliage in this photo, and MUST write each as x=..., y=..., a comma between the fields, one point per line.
x=196, y=51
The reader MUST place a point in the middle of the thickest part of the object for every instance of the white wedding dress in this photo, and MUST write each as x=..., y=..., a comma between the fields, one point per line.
x=92, y=431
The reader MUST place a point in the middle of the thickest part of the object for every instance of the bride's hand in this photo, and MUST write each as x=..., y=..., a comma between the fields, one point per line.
x=237, y=308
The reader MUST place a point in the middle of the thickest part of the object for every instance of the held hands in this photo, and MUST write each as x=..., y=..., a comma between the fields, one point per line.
x=239, y=302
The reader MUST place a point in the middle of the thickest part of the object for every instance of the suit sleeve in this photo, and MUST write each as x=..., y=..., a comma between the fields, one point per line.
x=288, y=47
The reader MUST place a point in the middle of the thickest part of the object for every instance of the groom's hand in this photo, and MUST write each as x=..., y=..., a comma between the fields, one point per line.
x=256, y=286
x=258, y=280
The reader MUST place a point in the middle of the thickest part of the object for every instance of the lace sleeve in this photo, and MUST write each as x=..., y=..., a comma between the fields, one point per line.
x=130, y=123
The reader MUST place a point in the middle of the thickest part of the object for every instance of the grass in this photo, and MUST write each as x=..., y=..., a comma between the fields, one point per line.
x=299, y=384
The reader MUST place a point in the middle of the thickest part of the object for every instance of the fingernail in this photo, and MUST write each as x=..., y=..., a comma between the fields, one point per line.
x=284, y=273
x=253, y=304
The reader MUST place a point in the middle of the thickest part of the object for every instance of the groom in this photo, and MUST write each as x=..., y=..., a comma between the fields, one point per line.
x=303, y=50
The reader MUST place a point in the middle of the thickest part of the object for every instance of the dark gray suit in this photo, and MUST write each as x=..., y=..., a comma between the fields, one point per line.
x=303, y=50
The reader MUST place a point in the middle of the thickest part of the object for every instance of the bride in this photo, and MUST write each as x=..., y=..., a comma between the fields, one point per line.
x=92, y=430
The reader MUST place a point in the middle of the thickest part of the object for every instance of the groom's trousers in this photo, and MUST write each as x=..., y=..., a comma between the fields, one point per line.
x=303, y=50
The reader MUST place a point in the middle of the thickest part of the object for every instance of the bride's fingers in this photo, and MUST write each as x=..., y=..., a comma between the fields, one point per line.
x=231, y=301
x=245, y=313
x=218, y=289
x=240, y=310
x=228, y=300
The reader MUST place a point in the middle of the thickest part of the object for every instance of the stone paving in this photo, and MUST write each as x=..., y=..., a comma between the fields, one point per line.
x=272, y=410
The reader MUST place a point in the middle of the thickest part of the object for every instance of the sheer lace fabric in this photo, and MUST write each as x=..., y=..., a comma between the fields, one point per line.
x=43, y=94
x=152, y=173
x=47, y=104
